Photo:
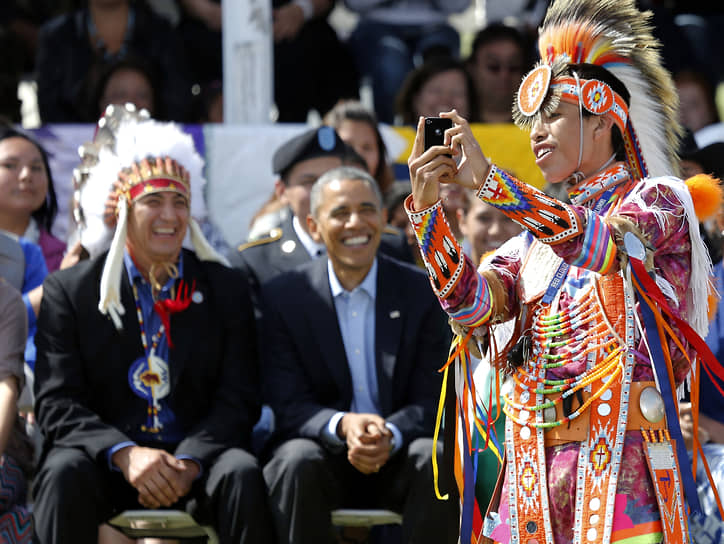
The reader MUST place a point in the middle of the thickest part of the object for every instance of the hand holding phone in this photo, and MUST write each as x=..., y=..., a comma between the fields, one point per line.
x=435, y=128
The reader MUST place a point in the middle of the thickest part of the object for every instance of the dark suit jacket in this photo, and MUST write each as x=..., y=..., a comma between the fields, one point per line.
x=305, y=371
x=283, y=251
x=83, y=399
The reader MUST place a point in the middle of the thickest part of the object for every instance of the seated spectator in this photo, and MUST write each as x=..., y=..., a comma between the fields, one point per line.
x=28, y=203
x=27, y=208
x=391, y=39
x=357, y=126
x=16, y=452
x=298, y=163
x=74, y=48
x=126, y=81
x=439, y=85
x=159, y=423
x=313, y=69
x=350, y=372
x=497, y=62
x=697, y=108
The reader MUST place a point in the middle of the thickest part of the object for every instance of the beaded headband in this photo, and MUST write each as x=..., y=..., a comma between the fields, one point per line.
x=132, y=156
x=154, y=176
x=616, y=36
x=596, y=96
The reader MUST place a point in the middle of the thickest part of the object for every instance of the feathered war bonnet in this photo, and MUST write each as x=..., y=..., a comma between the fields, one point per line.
x=133, y=156
x=615, y=36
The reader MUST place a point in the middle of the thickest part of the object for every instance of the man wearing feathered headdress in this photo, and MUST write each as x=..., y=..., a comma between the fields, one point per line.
x=609, y=293
x=146, y=380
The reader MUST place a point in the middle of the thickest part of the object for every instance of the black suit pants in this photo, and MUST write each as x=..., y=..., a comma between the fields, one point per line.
x=306, y=482
x=74, y=494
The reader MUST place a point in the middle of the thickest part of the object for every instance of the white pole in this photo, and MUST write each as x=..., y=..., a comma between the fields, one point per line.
x=248, y=61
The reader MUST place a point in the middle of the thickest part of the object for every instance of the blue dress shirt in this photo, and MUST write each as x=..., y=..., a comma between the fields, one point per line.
x=356, y=316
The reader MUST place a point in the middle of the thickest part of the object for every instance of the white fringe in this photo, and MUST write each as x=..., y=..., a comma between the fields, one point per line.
x=697, y=295
x=110, y=299
x=667, y=289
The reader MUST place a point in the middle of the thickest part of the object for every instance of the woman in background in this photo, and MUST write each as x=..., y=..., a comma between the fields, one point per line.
x=357, y=126
x=441, y=84
x=28, y=204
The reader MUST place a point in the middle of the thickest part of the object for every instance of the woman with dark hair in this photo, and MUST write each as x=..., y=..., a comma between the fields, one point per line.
x=357, y=126
x=697, y=105
x=130, y=80
x=28, y=204
x=27, y=209
x=441, y=84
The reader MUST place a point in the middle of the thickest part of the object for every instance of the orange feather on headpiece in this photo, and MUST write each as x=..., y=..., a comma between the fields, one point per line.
x=706, y=193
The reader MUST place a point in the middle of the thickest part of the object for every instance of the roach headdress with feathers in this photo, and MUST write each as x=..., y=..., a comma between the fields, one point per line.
x=616, y=36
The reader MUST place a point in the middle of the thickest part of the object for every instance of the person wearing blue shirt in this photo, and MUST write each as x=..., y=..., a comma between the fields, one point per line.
x=152, y=404
x=351, y=351
x=35, y=272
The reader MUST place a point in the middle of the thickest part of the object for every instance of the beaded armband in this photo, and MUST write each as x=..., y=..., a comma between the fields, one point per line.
x=549, y=220
x=440, y=251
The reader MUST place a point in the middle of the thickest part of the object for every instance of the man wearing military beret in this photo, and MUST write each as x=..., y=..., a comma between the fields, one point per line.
x=298, y=163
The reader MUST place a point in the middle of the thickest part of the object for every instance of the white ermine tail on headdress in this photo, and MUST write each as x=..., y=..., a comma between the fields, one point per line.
x=110, y=300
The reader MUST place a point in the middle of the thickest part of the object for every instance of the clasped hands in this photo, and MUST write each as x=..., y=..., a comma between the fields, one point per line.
x=460, y=160
x=369, y=441
x=159, y=478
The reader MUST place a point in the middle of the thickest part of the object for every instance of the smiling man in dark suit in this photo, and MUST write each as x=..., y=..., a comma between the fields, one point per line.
x=299, y=162
x=132, y=419
x=350, y=362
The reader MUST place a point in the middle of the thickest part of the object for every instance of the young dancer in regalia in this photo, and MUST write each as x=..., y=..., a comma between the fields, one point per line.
x=609, y=292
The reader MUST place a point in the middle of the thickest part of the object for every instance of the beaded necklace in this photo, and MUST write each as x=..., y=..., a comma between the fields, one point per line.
x=554, y=331
x=156, y=336
x=152, y=378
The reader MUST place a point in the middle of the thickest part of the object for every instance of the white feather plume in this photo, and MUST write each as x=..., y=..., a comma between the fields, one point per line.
x=136, y=139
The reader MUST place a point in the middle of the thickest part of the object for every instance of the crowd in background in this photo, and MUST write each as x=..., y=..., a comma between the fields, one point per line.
x=166, y=57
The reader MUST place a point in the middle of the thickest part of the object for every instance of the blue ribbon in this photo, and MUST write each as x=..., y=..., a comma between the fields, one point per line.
x=672, y=415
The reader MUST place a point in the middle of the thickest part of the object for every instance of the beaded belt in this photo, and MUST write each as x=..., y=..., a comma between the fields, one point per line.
x=646, y=411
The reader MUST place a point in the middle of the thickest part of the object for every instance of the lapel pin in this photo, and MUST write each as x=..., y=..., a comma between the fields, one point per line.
x=197, y=297
x=394, y=314
x=288, y=246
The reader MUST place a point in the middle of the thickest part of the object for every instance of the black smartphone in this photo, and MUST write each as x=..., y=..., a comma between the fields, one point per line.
x=435, y=128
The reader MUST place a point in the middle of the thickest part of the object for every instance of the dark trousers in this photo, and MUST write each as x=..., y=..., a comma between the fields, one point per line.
x=74, y=494
x=306, y=482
